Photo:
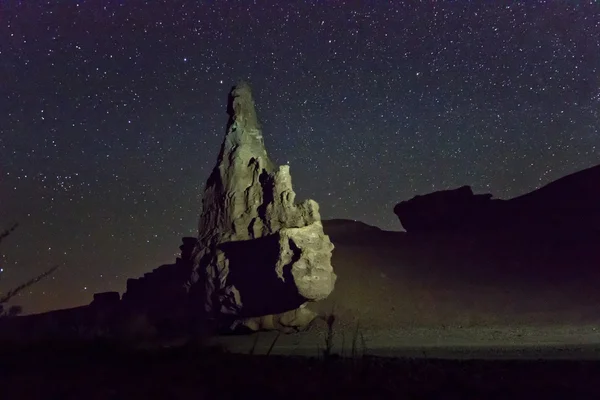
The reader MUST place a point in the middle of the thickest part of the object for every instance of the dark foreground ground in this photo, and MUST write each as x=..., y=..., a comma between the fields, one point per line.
x=108, y=371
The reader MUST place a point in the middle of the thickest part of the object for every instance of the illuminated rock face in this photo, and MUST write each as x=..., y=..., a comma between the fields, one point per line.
x=260, y=256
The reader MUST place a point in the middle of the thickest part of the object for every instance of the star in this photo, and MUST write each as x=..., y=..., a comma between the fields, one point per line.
x=110, y=130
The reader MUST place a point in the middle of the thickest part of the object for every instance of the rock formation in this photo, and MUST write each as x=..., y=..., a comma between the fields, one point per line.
x=260, y=256
x=444, y=210
x=160, y=294
x=568, y=206
x=156, y=304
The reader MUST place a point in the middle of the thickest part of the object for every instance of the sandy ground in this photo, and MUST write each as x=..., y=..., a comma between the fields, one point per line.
x=558, y=342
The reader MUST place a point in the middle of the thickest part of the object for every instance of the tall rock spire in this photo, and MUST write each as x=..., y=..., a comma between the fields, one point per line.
x=260, y=256
x=233, y=192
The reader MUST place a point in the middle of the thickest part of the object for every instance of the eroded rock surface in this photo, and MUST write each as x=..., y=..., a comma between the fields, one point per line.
x=260, y=256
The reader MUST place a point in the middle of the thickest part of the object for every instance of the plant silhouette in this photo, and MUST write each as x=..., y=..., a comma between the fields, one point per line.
x=6, y=297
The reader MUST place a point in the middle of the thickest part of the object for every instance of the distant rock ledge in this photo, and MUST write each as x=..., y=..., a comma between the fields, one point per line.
x=569, y=207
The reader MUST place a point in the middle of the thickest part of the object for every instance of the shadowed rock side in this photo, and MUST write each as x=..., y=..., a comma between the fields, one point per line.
x=160, y=295
x=260, y=256
x=444, y=210
x=568, y=206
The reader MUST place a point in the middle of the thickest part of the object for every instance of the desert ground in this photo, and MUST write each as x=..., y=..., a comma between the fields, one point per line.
x=447, y=297
x=412, y=318
x=104, y=371
x=493, y=343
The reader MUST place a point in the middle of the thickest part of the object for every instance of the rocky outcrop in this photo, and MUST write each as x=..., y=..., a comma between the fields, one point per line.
x=161, y=294
x=260, y=256
x=445, y=210
x=568, y=206
x=106, y=300
x=155, y=304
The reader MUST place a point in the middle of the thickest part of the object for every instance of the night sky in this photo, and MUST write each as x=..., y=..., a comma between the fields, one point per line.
x=112, y=114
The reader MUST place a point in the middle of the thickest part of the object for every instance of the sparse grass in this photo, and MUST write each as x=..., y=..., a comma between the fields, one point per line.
x=254, y=344
x=273, y=343
x=330, y=336
x=358, y=345
x=70, y=368
x=112, y=370
x=355, y=349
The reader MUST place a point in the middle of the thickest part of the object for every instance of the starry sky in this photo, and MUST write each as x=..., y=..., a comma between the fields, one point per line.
x=112, y=114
